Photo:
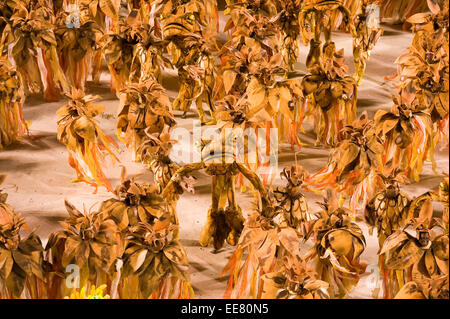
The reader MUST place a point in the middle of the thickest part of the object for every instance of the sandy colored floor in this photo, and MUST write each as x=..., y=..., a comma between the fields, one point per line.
x=39, y=177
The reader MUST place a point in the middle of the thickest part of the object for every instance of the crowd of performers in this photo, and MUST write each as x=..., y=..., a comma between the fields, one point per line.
x=248, y=81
